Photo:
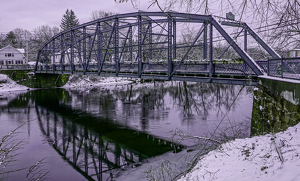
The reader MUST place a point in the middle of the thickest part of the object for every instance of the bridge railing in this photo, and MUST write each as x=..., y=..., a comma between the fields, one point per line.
x=263, y=64
x=187, y=69
x=284, y=67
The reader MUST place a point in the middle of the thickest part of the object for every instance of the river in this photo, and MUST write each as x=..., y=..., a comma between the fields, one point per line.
x=98, y=133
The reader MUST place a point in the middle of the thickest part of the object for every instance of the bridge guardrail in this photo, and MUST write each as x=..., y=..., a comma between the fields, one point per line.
x=220, y=68
x=15, y=67
x=284, y=67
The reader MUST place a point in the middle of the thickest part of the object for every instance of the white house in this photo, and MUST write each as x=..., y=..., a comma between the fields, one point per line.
x=12, y=56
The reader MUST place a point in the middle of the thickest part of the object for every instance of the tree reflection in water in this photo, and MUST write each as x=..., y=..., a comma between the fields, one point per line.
x=200, y=98
x=152, y=103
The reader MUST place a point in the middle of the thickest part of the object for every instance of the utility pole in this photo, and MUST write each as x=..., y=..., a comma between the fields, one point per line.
x=26, y=47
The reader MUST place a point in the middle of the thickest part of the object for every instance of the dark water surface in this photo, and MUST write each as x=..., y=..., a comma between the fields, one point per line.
x=89, y=135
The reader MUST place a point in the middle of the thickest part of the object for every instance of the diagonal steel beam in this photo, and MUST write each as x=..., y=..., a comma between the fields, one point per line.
x=272, y=52
x=106, y=50
x=244, y=55
x=90, y=50
x=190, y=47
x=230, y=44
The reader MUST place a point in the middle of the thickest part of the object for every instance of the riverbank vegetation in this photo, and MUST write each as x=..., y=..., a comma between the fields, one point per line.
x=10, y=151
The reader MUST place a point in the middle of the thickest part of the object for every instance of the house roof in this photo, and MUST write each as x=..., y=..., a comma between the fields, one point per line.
x=18, y=49
x=21, y=50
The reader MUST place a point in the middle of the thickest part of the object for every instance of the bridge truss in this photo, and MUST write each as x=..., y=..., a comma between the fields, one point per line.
x=146, y=45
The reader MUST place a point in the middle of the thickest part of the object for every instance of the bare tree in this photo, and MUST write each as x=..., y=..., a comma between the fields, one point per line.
x=40, y=35
x=263, y=8
x=22, y=36
x=97, y=14
x=279, y=20
x=286, y=32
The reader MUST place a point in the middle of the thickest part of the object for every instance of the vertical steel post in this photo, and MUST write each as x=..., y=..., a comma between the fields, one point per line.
x=116, y=46
x=79, y=50
x=281, y=67
x=150, y=41
x=61, y=61
x=140, y=63
x=53, y=55
x=37, y=61
x=170, y=63
x=205, y=42
x=84, y=48
x=99, y=46
x=245, y=39
x=90, y=50
x=268, y=70
x=130, y=43
x=72, y=52
x=46, y=57
x=174, y=39
x=211, y=66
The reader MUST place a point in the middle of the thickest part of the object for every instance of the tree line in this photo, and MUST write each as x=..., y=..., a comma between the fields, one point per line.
x=31, y=41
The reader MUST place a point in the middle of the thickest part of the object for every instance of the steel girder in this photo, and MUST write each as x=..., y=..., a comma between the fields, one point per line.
x=103, y=45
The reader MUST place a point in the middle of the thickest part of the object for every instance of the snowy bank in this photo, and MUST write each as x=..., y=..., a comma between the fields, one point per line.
x=84, y=83
x=94, y=81
x=268, y=157
x=6, y=84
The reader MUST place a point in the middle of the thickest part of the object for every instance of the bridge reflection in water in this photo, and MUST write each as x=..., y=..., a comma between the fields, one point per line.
x=96, y=148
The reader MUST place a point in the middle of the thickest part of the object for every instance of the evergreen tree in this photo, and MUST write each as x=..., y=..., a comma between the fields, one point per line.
x=11, y=39
x=69, y=20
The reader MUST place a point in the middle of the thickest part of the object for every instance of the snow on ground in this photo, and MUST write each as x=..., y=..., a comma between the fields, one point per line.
x=85, y=83
x=7, y=85
x=91, y=81
x=268, y=157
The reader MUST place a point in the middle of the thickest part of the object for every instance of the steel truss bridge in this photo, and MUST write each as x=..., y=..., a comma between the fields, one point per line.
x=144, y=45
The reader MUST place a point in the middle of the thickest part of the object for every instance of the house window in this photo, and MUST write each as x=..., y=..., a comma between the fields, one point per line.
x=1, y=63
x=9, y=54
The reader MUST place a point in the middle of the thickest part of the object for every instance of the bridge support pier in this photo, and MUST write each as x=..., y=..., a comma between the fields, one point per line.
x=286, y=88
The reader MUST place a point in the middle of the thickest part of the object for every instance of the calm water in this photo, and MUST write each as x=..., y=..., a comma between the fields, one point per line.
x=89, y=135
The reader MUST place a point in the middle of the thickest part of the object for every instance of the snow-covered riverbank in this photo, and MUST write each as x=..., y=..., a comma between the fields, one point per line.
x=268, y=157
x=6, y=84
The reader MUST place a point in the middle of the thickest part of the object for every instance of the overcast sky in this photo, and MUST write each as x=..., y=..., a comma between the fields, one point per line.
x=29, y=14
